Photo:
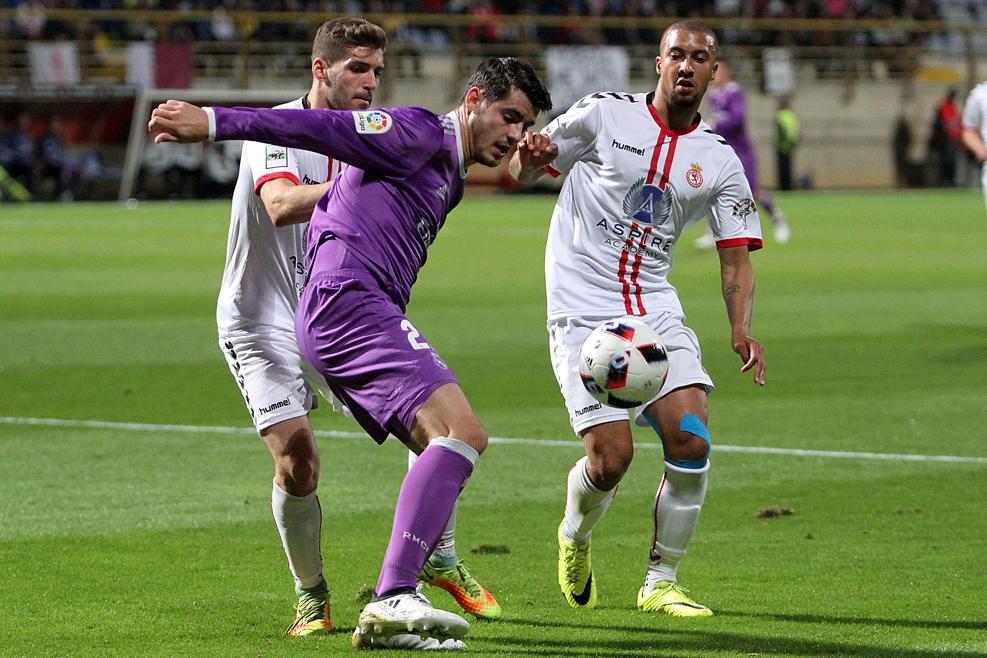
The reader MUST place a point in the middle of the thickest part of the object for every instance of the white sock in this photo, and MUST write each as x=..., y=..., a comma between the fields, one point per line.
x=584, y=504
x=444, y=556
x=675, y=514
x=299, y=521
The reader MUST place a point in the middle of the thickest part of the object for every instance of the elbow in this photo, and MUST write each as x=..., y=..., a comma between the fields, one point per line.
x=280, y=212
x=278, y=217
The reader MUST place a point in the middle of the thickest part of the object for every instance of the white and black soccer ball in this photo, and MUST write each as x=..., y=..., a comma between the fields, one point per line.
x=623, y=363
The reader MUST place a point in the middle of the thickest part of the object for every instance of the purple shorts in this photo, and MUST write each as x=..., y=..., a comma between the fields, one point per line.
x=370, y=354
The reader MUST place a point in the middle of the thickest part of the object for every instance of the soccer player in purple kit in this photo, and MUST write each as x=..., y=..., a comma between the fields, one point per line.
x=368, y=239
x=729, y=118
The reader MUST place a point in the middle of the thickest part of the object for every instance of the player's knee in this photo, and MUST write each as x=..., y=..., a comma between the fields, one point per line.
x=473, y=434
x=296, y=463
x=605, y=468
x=299, y=477
x=688, y=445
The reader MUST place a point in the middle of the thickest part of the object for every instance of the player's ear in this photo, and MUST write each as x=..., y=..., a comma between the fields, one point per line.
x=473, y=98
x=319, y=68
x=658, y=64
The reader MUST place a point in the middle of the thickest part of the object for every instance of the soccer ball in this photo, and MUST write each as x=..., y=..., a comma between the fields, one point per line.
x=623, y=363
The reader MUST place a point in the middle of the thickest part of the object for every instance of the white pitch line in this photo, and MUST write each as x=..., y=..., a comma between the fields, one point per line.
x=336, y=434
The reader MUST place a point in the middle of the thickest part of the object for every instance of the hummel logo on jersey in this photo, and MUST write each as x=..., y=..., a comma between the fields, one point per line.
x=277, y=156
x=276, y=405
x=587, y=409
x=415, y=539
x=443, y=191
x=628, y=148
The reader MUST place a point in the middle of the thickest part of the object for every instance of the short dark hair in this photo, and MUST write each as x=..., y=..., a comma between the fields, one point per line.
x=339, y=35
x=496, y=76
x=692, y=26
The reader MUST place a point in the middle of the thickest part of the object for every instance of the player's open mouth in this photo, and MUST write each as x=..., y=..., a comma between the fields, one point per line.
x=685, y=84
x=503, y=149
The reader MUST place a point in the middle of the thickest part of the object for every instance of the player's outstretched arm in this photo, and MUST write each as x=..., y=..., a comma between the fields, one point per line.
x=534, y=151
x=737, y=276
x=177, y=121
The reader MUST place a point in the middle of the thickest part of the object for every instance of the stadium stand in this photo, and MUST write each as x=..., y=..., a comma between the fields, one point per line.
x=83, y=64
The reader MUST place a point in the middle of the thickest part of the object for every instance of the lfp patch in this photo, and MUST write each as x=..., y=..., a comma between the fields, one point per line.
x=277, y=157
x=373, y=122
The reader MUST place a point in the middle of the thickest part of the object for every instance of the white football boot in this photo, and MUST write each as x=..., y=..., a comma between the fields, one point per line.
x=409, y=642
x=406, y=615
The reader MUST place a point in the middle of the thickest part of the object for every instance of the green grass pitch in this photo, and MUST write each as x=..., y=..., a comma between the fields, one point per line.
x=131, y=539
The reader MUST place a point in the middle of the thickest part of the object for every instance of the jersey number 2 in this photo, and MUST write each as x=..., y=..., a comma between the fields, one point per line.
x=414, y=336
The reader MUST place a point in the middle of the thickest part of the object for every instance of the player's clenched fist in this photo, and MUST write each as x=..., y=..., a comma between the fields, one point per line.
x=178, y=121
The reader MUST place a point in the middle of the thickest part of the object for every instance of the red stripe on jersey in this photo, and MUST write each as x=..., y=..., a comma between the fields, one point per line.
x=329, y=169
x=551, y=171
x=654, y=157
x=668, y=162
x=625, y=254
x=622, y=271
x=268, y=177
x=753, y=244
x=652, y=171
x=636, y=268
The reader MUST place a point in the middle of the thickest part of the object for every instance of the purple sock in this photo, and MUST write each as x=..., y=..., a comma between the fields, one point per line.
x=425, y=503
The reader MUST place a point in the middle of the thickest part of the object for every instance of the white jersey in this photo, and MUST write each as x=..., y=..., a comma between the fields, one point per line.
x=265, y=265
x=975, y=110
x=633, y=185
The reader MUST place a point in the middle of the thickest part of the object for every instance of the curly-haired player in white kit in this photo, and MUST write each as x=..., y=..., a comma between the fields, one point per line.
x=641, y=168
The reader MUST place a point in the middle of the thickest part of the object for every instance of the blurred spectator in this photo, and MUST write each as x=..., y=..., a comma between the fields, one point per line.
x=58, y=171
x=787, y=140
x=946, y=140
x=30, y=17
x=485, y=31
x=222, y=26
x=17, y=150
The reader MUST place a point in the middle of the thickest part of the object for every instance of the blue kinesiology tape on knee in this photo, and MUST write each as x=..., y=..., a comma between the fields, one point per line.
x=694, y=426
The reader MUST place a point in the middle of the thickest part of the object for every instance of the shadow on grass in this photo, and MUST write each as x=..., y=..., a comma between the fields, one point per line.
x=649, y=640
x=832, y=619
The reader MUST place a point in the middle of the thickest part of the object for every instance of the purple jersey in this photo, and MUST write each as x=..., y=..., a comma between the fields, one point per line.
x=406, y=174
x=729, y=118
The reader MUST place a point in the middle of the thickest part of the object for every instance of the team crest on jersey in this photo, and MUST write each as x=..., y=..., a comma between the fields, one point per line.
x=694, y=176
x=277, y=157
x=648, y=204
x=372, y=122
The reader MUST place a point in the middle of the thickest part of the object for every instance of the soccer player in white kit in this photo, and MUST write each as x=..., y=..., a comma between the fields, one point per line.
x=641, y=167
x=975, y=128
x=276, y=191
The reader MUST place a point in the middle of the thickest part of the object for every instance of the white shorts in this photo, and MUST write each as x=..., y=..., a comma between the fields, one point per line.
x=566, y=337
x=276, y=381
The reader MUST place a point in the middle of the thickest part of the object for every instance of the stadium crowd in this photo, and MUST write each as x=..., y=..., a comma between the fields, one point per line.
x=32, y=21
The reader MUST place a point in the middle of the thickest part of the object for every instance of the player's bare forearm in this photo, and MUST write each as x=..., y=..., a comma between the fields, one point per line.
x=288, y=203
x=737, y=278
x=973, y=141
x=177, y=121
x=533, y=152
